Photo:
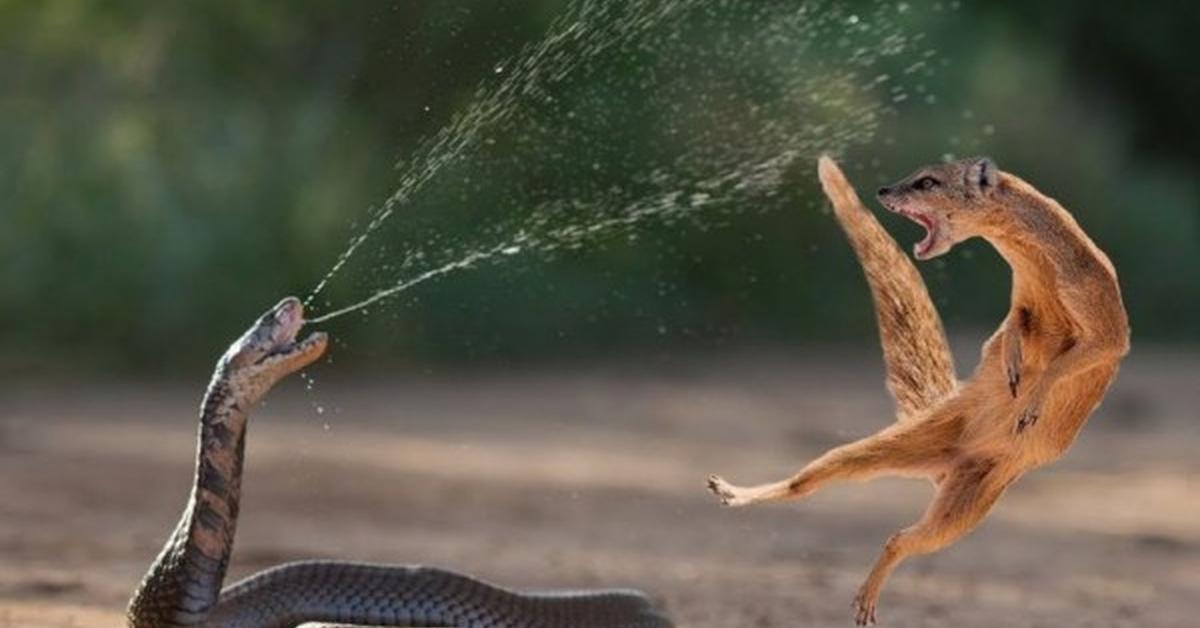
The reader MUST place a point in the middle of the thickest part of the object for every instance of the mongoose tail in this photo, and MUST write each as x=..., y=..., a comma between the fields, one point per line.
x=920, y=368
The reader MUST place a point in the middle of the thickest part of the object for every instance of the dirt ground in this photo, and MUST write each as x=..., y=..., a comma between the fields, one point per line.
x=587, y=476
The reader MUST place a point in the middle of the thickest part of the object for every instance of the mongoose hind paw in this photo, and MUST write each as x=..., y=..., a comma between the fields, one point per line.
x=864, y=609
x=724, y=491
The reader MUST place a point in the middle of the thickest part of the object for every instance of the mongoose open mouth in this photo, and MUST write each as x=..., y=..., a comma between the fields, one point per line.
x=922, y=249
x=925, y=248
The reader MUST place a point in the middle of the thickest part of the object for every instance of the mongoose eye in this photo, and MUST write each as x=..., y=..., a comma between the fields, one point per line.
x=926, y=183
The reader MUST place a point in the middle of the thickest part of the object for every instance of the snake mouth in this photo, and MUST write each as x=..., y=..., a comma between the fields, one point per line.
x=284, y=322
x=309, y=348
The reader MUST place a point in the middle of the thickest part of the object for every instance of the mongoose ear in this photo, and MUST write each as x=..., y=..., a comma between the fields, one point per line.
x=982, y=175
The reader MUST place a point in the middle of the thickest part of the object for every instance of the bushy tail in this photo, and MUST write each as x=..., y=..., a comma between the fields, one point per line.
x=920, y=369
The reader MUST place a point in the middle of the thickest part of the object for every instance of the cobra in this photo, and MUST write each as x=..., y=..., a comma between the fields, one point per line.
x=184, y=584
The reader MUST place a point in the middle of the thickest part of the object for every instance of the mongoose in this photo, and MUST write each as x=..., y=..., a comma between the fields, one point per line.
x=1040, y=375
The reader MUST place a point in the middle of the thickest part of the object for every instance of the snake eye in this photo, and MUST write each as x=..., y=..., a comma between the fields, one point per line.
x=926, y=183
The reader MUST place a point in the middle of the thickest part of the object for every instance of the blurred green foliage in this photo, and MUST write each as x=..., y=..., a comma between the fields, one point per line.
x=170, y=169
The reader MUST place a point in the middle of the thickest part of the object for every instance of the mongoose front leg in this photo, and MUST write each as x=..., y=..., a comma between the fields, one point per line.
x=1012, y=356
x=1079, y=357
x=964, y=498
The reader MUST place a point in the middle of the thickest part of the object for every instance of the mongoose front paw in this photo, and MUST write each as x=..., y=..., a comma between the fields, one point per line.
x=1029, y=417
x=1014, y=378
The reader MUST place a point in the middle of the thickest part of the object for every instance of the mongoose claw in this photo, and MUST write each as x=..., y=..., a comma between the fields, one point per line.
x=1029, y=417
x=723, y=490
x=864, y=609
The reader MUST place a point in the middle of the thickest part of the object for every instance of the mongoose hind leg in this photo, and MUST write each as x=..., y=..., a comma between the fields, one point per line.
x=964, y=497
x=920, y=368
x=913, y=448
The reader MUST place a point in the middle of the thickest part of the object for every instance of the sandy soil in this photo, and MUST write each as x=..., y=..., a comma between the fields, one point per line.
x=594, y=476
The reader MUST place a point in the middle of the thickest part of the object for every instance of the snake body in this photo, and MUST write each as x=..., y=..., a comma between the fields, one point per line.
x=183, y=586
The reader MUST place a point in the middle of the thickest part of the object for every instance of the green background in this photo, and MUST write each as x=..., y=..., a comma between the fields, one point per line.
x=168, y=170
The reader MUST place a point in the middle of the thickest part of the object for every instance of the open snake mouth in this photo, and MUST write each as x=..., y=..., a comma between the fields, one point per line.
x=294, y=348
x=281, y=325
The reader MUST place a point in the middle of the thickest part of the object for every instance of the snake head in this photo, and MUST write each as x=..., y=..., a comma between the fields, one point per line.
x=269, y=351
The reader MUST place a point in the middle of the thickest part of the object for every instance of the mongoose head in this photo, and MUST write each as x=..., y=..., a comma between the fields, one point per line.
x=953, y=201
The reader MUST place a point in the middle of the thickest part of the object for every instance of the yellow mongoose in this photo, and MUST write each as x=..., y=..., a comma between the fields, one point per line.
x=1040, y=376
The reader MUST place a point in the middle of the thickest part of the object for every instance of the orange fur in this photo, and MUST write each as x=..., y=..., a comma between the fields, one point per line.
x=1040, y=375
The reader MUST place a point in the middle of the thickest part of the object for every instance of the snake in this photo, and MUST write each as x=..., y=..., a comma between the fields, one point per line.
x=183, y=587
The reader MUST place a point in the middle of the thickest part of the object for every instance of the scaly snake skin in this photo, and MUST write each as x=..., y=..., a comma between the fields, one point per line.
x=183, y=585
